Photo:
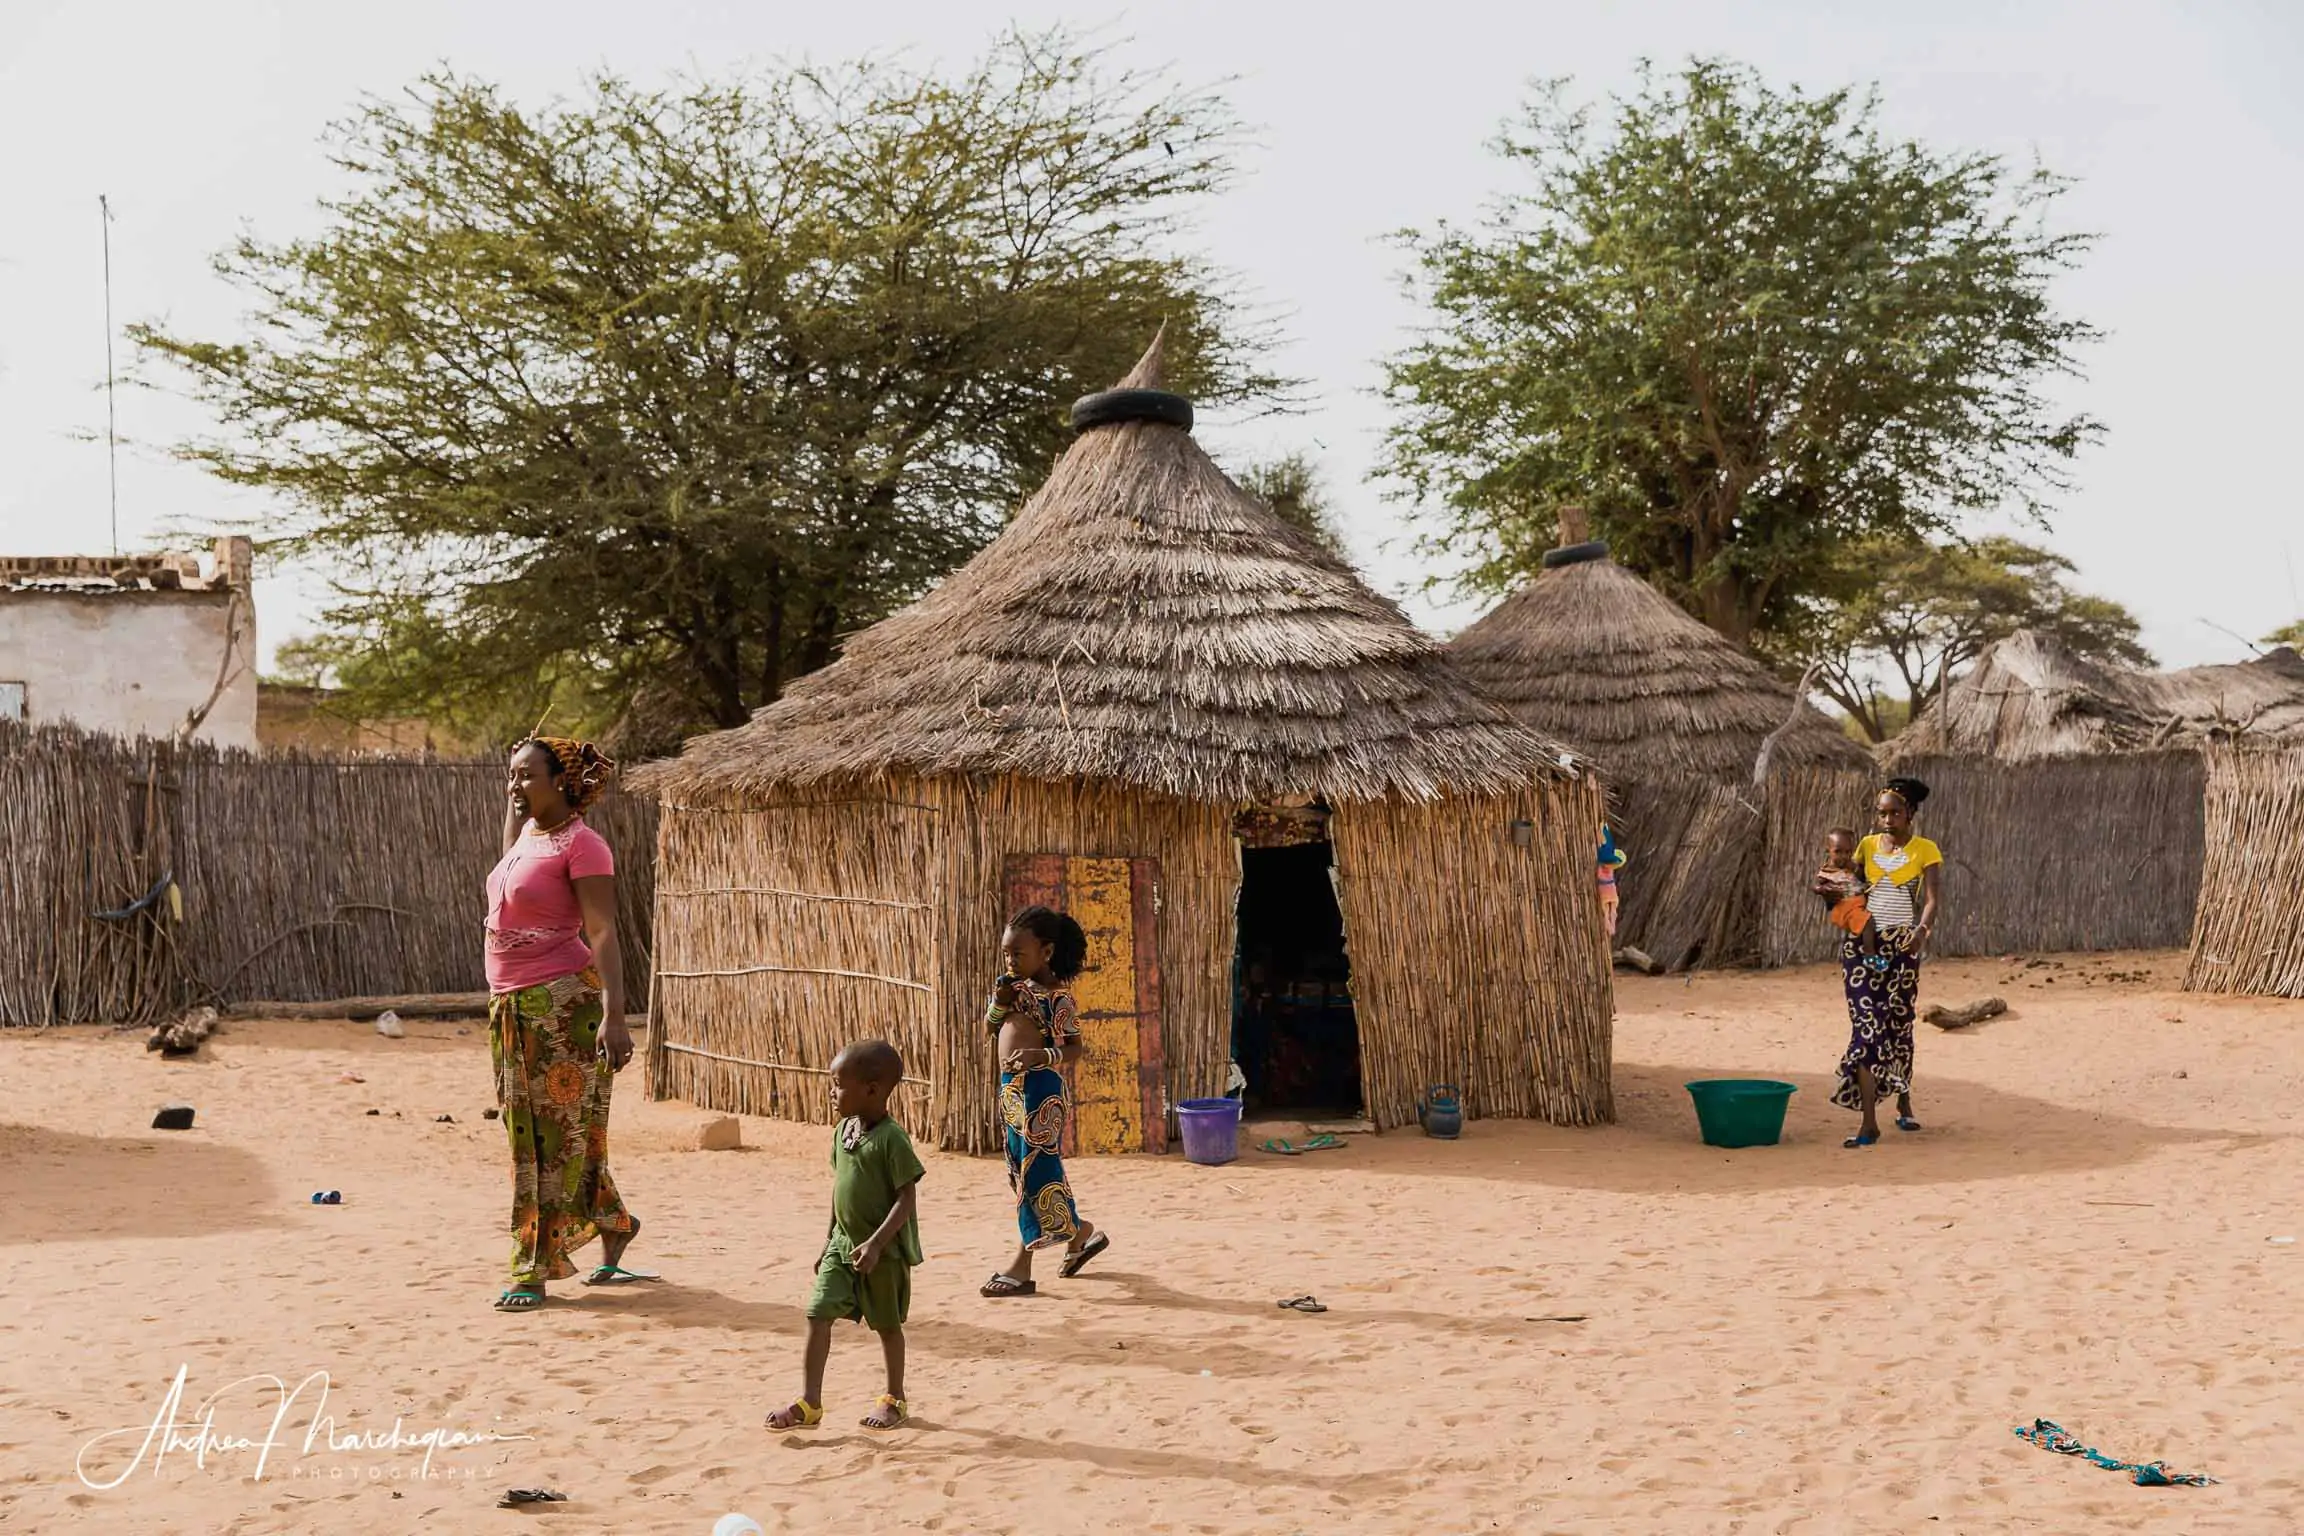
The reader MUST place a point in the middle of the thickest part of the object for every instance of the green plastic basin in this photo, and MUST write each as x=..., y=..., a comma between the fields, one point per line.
x=1741, y=1111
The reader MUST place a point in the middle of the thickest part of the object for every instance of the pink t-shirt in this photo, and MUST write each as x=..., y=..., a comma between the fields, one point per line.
x=535, y=925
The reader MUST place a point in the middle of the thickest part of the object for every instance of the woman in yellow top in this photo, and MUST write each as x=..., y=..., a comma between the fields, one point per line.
x=1902, y=871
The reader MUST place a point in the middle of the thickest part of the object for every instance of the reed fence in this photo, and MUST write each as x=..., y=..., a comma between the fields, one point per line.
x=2080, y=853
x=296, y=878
x=2247, y=938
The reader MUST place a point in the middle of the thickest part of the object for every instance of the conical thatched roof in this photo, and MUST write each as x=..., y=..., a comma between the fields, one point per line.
x=1142, y=620
x=1593, y=654
x=2029, y=697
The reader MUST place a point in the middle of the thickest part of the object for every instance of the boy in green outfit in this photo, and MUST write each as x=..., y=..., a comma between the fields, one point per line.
x=866, y=1270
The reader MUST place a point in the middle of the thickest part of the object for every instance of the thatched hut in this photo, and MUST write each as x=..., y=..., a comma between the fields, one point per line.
x=1590, y=653
x=2030, y=697
x=1152, y=702
x=1674, y=715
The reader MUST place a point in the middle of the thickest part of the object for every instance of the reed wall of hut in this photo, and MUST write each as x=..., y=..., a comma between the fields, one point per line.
x=299, y=878
x=786, y=931
x=1479, y=961
x=2246, y=938
x=994, y=819
x=2079, y=853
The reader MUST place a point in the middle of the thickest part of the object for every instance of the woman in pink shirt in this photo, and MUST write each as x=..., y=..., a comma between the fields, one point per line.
x=556, y=1018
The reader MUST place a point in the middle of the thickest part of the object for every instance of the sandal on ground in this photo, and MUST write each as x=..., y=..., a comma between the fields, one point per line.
x=1008, y=1285
x=1907, y=1123
x=1303, y=1304
x=889, y=1404
x=1279, y=1147
x=521, y=1298
x=1860, y=1140
x=617, y=1274
x=800, y=1415
x=1322, y=1143
x=1076, y=1260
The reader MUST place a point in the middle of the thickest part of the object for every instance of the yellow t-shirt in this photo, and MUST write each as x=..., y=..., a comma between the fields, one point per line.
x=1893, y=876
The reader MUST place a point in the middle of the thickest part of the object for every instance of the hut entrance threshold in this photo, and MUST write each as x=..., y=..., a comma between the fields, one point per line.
x=1294, y=1033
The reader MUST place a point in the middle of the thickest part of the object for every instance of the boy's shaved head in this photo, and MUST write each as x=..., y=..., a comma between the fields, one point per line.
x=874, y=1061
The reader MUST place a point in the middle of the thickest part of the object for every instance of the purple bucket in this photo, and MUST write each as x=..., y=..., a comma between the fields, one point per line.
x=1211, y=1130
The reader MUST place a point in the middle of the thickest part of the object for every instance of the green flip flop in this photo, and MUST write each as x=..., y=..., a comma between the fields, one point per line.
x=520, y=1299
x=1280, y=1148
x=1322, y=1143
x=616, y=1274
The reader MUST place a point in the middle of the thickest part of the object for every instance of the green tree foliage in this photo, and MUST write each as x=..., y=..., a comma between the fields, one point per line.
x=1291, y=485
x=1920, y=613
x=1744, y=327
x=2287, y=634
x=639, y=404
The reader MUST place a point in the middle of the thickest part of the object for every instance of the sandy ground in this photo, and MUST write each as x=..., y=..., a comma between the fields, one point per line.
x=1797, y=1338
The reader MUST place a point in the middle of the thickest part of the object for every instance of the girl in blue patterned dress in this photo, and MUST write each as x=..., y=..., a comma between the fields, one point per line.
x=1039, y=1029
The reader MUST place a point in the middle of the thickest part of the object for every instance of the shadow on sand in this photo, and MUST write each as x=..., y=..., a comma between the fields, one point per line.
x=1972, y=1132
x=1042, y=1330
x=63, y=1186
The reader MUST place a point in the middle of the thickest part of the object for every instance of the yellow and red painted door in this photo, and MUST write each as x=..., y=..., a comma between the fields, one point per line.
x=1119, y=1083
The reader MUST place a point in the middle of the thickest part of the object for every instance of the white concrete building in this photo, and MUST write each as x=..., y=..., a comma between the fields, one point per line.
x=146, y=645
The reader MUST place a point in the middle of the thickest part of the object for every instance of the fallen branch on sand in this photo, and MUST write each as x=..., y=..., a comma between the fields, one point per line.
x=183, y=1037
x=1638, y=960
x=421, y=1005
x=1960, y=1018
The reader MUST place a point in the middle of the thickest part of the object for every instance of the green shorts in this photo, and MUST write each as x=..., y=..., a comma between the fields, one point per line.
x=880, y=1300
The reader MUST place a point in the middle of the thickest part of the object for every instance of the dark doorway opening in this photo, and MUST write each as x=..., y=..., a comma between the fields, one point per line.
x=1294, y=1033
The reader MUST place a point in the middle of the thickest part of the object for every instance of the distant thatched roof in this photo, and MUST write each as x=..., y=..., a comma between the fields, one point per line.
x=2029, y=696
x=1593, y=654
x=1142, y=620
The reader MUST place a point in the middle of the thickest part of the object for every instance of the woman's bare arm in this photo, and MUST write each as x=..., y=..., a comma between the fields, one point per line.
x=596, y=894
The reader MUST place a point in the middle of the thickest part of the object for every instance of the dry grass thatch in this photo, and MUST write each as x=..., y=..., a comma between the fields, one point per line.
x=2247, y=938
x=1594, y=655
x=1143, y=621
x=2030, y=697
x=2091, y=853
x=301, y=878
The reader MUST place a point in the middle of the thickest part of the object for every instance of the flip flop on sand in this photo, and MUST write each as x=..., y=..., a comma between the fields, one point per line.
x=1075, y=1262
x=1907, y=1123
x=1008, y=1285
x=617, y=1274
x=520, y=1299
x=1303, y=1304
x=1279, y=1148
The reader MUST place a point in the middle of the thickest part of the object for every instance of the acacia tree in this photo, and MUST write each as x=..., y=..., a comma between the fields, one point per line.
x=640, y=403
x=1925, y=611
x=2287, y=634
x=1291, y=485
x=1744, y=327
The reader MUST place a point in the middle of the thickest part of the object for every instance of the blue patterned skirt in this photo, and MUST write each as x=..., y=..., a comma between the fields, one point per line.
x=1033, y=1109
x=1882, y=1005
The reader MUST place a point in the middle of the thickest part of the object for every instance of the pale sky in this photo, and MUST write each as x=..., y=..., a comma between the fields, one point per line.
x=2180, y=122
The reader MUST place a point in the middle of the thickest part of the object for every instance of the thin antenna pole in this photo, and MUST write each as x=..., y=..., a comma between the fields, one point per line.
x=111, y=407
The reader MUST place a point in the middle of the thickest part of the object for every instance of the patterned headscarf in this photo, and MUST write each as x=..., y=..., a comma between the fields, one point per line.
x=587, y=770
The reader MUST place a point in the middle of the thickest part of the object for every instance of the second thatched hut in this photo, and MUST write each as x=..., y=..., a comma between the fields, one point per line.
x=1675, y=716
x=1152, y=703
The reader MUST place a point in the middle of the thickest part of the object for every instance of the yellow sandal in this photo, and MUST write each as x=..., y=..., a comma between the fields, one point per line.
x=803, y=1414
x=897, y=1405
